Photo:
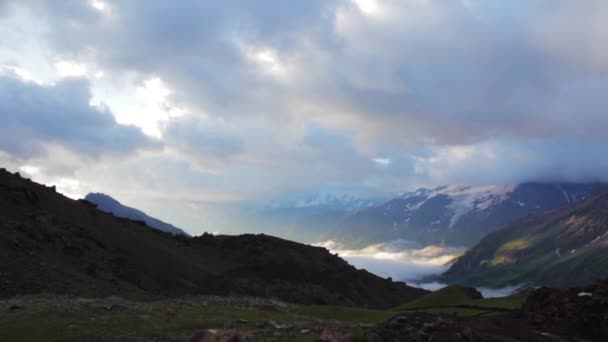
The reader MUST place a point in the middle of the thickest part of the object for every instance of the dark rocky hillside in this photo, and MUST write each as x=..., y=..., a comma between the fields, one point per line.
x=50, y=243
x=565, y=247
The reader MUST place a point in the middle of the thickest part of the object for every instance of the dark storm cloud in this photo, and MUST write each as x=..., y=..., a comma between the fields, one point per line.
x=34, y=116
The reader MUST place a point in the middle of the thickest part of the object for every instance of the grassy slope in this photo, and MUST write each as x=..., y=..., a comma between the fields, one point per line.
x=50, y=320
x=527, y=250
x=451, y=295
x=69, y=319
x=463, y=301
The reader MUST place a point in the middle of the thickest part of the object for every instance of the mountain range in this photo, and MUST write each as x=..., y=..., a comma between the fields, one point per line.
x=563, y=247
x=52, y=244
x=455, y=215
x=108, y=204
x=304, y=216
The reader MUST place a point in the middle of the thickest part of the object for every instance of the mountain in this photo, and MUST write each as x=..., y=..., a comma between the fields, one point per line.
x=304, y=216
x=110, y=205
x=52, y=244
x=455, y=215
x=564, y=247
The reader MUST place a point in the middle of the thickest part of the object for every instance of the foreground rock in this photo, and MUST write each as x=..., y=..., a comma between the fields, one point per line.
x=333, y=334
x=569, y=314
x=218, y=336
x=576, y=309
x=425, y=327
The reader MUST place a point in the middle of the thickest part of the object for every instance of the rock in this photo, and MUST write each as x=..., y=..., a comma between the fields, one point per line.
x=218, y=336
x=333, y=335
x=468, y=334
x=14, y=307
x=421, y=327
x=260, y=325
x=278, y=326
x=578, y=309
x=375, y=338
x=304, y=331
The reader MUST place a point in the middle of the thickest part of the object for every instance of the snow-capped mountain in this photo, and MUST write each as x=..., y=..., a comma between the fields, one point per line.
x=322, y=200
x=307, y=216
x=456, y=214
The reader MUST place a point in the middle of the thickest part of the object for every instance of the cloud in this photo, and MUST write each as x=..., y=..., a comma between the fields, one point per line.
x=450, y=73
x=513, y=161
x=254, y=99
x=206, y=141
x=36, y=116
x=399, y=259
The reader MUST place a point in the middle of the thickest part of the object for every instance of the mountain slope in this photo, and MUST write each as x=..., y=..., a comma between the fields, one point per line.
x=110, y=205
x=50, y=243
x=568, y=246
x=456, y=215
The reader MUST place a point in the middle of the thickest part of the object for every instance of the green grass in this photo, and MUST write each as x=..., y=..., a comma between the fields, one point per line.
x=346, y=314
x=61, y=319
x=513, y=302
x=458, y=300
x=447, y=296
x=167, y=321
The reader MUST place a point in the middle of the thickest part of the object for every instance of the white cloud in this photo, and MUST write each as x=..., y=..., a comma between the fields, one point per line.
x=70, y=69
x=400, y=92
x=399, y=259
x=98, y=5
x=384, y=162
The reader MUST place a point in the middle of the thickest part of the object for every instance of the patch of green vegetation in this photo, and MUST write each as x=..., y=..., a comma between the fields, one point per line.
x=456, y=311
x=346, y=314
x=49, y=320
x=513, y=302
x=447, y=296
x=463, y=301
x=65, y=319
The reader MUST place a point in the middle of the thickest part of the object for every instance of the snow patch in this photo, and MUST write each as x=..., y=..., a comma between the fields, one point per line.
x=467, y=199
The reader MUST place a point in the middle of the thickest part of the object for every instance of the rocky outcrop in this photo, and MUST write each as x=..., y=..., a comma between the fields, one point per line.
x=218, y=336
x=577, y=309
x=419, y=326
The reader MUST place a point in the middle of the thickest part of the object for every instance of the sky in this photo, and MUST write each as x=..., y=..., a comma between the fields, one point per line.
x=177, y=107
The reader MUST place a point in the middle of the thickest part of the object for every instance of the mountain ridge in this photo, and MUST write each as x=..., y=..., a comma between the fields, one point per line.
x=109, y=204
x=563, y=247
x=456, y=215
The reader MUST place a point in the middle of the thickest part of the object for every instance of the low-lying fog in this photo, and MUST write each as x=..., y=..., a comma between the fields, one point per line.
x=407, y=261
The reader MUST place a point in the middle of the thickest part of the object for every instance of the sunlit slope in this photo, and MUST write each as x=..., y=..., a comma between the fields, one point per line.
x=563, y=247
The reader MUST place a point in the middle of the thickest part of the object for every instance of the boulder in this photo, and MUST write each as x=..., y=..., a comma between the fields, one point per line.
x=333, y=335
x=580, y=309
x=218, y=336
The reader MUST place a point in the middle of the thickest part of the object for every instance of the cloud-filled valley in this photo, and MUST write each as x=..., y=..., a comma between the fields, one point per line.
x=399, y=259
